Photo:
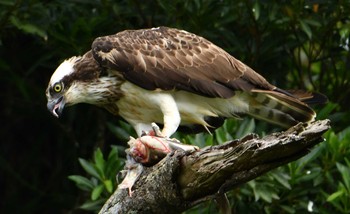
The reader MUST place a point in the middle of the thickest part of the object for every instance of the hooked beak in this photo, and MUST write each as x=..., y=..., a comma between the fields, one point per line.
x=56, y=106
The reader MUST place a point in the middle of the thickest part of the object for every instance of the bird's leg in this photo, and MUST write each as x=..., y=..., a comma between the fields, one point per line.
x=152, y=146
x=171, y=115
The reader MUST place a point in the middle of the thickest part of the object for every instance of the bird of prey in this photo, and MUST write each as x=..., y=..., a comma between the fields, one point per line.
x=174, y=78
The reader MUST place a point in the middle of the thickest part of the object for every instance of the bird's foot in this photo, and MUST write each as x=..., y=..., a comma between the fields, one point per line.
x=154, y=132
x=150, y=149
x=157, y=131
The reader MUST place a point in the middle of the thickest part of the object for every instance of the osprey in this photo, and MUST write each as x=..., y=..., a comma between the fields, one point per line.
x=171, y=77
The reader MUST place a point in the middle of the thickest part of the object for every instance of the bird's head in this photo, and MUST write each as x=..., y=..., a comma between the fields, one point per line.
x=80, y=80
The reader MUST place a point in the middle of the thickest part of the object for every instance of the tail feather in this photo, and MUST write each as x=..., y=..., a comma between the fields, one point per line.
x=272, y=116
x=309, y=98
x=280, y=108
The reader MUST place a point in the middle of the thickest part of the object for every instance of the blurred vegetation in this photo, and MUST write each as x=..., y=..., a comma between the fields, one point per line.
x=294, y=44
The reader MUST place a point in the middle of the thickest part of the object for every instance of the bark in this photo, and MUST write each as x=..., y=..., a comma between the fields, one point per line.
x=184, y=179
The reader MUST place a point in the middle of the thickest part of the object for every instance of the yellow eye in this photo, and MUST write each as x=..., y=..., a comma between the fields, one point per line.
x=57, y=87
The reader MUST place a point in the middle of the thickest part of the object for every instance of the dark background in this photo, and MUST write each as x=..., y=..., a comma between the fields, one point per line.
x=294, y=44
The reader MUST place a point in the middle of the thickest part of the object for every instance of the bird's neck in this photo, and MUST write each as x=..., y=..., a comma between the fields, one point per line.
x=102, y=91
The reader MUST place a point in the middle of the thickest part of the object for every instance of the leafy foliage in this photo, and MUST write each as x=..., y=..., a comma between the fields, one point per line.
x=102, y=181
x=294, y=44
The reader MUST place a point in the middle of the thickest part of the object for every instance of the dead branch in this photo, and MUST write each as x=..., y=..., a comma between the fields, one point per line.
x=184, y=179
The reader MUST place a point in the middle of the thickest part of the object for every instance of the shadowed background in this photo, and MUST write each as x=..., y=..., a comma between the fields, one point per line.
x=294, y=44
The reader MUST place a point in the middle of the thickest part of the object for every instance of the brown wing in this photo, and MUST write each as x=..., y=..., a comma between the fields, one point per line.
x=168, y=59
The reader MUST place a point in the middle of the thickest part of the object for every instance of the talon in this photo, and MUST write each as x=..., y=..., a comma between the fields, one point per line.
x=157, y=131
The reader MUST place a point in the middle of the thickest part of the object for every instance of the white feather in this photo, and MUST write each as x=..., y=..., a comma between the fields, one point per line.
x=65, y=68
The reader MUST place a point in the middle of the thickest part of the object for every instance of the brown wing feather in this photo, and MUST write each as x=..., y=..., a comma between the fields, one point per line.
x=168, y=59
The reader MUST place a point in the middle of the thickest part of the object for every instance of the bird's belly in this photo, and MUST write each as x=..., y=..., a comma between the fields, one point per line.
x=139, y=105
x=139, y=110
x=143, y=106
x=194, y=108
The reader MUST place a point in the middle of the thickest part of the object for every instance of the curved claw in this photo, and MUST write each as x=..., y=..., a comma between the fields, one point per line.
x=157, y=131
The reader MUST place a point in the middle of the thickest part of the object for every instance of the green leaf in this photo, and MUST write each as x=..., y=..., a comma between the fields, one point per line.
x=113, y=154
x=99, y=162
x=345, y=134
x=335, y=195
x=96, y=192
x=89, y=168
x=273, y=12
x=93, y=205
x=313, y=22
x=256, y=10
x=112, y=168
x=209, y=140
x=118, y=131
x=220, y=136
x=114, y=164
x=82, y=182
x=288, y=209
x=305, y=27
x=326, y=111
x=282, y=178
x=28, y=28
x=315, y=153
x=7, y=2
x=265, y=195
x=109, y=185
x=345, y=173
x=246, y=127
x=309, y=175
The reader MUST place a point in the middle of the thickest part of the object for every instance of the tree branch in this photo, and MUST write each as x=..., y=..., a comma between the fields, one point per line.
x=184, y=179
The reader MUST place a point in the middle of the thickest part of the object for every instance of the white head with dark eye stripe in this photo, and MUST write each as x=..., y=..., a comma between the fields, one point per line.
x=79, y=80
x=56, y=88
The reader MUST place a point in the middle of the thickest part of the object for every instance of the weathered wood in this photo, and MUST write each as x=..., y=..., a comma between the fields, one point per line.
x=182, y=180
